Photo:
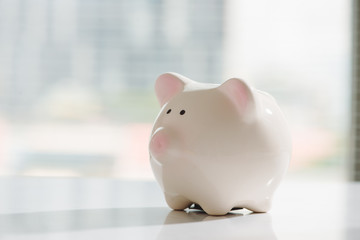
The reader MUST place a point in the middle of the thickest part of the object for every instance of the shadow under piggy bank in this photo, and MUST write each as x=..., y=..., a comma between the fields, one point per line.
x=192, y=224
x=80, y=219
x=198, y=225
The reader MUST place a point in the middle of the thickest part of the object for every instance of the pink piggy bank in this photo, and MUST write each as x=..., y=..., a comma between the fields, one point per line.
x=218, y=146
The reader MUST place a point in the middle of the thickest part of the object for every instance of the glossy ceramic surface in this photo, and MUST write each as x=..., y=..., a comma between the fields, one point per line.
x=219, y=146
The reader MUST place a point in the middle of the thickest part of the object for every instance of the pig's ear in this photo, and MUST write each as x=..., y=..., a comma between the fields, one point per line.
x=240, y=95
x=168, y=85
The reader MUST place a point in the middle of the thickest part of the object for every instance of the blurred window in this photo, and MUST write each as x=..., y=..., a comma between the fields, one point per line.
x=76, y=77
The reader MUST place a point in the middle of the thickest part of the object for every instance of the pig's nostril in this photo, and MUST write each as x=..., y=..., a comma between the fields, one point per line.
x=158, y=144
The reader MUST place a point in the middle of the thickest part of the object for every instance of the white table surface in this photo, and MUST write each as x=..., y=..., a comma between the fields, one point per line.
x=74, y=208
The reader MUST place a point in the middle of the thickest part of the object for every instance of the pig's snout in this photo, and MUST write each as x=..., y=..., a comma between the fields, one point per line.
x=159, y=143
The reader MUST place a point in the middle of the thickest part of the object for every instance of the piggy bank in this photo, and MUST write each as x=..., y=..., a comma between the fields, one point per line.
x=217, y=146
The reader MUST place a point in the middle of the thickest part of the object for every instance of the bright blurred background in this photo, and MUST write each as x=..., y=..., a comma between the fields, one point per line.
x=77, y=76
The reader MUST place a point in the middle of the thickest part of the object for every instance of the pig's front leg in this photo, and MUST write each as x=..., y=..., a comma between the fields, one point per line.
x=176, y=201
x=216, y=210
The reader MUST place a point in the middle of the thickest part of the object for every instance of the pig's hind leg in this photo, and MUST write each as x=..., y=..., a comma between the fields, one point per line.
x=262, y=206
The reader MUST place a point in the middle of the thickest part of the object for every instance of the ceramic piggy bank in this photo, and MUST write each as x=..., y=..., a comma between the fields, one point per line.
x=218, y=146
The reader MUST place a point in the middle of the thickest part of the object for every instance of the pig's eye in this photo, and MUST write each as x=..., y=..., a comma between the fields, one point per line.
x=182, y=112
x=168, y=111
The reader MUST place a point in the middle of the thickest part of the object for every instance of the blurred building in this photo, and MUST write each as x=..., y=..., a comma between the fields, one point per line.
x=76, y=76
x=104, y=46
